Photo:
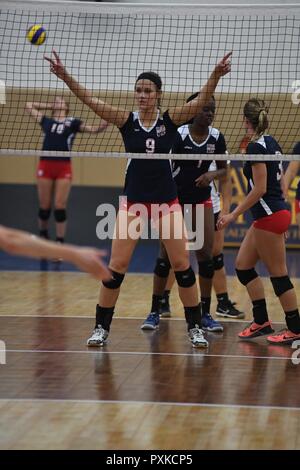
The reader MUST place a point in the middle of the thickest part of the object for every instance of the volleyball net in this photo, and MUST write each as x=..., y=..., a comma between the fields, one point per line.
x=106, y=46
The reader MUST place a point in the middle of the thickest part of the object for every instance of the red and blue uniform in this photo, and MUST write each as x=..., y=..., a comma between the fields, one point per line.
x=271, y=211
x=185, y=172
x=149, y=180
x=58, y=135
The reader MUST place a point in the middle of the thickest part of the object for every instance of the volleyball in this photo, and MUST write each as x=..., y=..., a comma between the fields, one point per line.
x=36, y=35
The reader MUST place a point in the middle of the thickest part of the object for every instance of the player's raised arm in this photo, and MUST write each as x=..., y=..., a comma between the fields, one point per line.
x=111, y=114
x=36, y=109
x=93, y=129
x=183, y=114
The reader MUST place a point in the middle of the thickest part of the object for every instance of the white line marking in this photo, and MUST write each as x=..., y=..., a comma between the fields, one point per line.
x=145, y=353
x=38, y=271
x=143, y=402
x=223, y=320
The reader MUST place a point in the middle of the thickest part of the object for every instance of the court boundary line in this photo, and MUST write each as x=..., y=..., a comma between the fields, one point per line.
x=196, y=353
x=221, y=319
x=144, y=402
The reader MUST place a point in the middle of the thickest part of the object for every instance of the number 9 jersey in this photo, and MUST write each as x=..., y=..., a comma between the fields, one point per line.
x=149, y=180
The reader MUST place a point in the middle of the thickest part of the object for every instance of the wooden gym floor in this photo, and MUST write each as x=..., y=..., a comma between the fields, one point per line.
x=143, y=390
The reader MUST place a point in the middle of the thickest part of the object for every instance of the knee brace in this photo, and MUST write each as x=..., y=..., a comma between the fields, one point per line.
x=44, y=214
x=206, y=268
x=60, y=215
x=218, y=261
x=115, y=281
x=246, y=275
x=185, y=278
x=281, y=284
x=162, y=267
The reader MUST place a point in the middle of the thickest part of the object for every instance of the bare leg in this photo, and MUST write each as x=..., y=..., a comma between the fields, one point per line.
x=219, y=279
x=62, y=191
x=204, y=257
x=170, y=281
x=267, y=244
x=45, y=188
x=160, y=282
x=121, y=253
x=122, y=249
x=179, y=258
x=246, y=260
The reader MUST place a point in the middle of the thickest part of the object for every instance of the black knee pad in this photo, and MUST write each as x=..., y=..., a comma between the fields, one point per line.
x=206, y=268
x=185, y=278
x=44, y=214
x=281, y=284
x=60, y=215
x=162, y=267
x=218, y=261
x=246, y=275
x=115, y=281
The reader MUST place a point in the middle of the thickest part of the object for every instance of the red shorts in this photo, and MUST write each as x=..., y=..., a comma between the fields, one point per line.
x=276, y=223
x=206, y=203
x=54, y=170
x=153, y=210
x=297, y=206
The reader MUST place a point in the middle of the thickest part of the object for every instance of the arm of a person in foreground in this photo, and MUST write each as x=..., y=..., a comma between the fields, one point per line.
x=17, y=242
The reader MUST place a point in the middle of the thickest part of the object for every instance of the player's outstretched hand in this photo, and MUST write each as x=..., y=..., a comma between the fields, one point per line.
x=224, y=66
x=56, y=65
x=89, y=260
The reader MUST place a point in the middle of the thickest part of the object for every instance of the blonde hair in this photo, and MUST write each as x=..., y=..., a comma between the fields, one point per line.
x=66, y=103
x=256, y=112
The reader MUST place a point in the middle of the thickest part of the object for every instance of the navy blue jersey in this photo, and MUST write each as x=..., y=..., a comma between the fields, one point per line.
x=298, y=191
x=186, y=171
x=59, y=135
x=149, y=180
x=296, y=151
x=273, y=200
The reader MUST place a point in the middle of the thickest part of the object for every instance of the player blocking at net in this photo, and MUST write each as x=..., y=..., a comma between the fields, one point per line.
x=148, y=182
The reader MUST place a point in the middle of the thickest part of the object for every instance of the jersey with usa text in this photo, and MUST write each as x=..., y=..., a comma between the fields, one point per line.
x=59, y=135
x=149, y=180
x=296, y=151
x=272, y=201
x=185, y=172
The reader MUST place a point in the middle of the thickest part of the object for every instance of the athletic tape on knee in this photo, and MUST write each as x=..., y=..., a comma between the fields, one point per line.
x=44, y=214
x=115, y=281
x=60, y=215
x=218, y=261
x=281, y=284
x=162, y=267
x=246, y=275
x=185, y=278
